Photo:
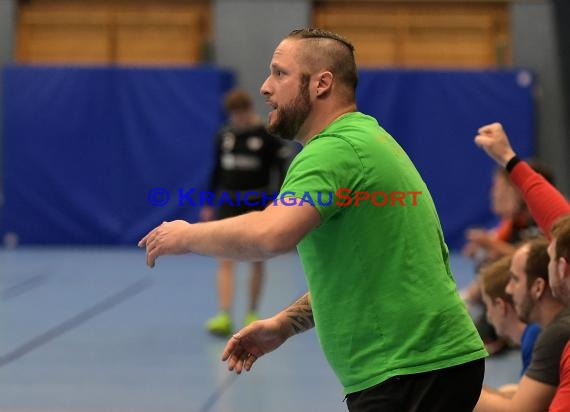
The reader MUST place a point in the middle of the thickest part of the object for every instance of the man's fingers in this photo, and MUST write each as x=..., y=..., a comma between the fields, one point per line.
x=145, y=240
x=236, y=362
x=490, y=128
x=483, y=141
x=228, y=350
x=239, y=358
x=150, y=261
x=232, y=361
x=239, y=366
x=153, y=247
x=478, y=141
x=485, y=129
x=250, y=361
x=236, y=355
x=151, y=253
x=245, y=362
x=231, y=346
x=142, y=242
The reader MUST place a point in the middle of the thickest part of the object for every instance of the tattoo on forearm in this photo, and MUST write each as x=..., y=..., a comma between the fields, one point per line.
x=300, y=314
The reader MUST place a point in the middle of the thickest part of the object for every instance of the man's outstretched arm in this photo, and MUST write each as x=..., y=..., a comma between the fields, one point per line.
x=531, y=396
x=253, y=236
x=264, y=336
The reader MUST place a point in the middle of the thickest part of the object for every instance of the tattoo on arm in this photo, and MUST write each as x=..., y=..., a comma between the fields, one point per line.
x=300, y=314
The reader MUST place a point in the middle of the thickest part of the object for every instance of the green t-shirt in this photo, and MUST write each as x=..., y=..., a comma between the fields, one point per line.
x=382, y=293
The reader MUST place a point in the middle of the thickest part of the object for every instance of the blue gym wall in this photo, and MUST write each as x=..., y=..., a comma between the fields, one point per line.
x=86, y=146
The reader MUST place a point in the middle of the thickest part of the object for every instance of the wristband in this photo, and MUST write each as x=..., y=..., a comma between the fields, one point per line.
x=512, y=163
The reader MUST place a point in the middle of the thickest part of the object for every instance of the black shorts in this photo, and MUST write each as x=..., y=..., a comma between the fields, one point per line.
x=455, y=389
x=228, y=210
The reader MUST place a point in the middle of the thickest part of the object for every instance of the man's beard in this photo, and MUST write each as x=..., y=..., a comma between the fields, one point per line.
x=525, y=308
x=560, y=293
x=291, y=117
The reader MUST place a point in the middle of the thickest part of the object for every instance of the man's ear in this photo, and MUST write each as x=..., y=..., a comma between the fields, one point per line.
x=324, y=83
x=538, y=288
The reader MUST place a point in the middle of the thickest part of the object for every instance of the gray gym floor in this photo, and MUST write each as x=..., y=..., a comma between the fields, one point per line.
x=93, y=330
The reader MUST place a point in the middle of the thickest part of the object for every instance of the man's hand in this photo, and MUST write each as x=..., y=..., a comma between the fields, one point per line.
x=494, y=141
x=476, y=239
x=167, y=239
x=480, y=237
x=252, y=342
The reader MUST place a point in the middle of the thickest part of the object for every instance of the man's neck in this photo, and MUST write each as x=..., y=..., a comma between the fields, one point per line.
x=516, y=329
x=320, y=119
x=548, y=309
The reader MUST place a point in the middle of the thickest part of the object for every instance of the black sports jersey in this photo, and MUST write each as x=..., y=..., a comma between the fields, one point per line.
x=245, y=159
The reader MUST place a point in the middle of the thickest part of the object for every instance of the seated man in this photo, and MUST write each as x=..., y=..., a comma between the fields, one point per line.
x=500, y=311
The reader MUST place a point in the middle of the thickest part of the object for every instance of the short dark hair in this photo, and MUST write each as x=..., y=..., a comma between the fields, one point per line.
x=331, y=50
x=237, y=99
x=537, y=261
x=561, y=232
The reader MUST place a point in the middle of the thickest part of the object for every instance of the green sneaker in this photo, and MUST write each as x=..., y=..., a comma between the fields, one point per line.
x=250, y=318
x=220, y=325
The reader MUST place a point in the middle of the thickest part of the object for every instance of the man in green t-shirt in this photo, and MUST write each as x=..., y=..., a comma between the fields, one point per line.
x=381, y=293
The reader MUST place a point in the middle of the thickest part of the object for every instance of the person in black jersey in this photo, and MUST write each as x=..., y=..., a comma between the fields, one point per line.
x=249, y=163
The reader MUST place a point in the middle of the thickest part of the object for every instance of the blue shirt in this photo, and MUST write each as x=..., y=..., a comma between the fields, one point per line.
x=528, y=338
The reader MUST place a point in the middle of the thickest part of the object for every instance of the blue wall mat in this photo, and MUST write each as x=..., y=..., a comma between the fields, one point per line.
x=84, y=148
x=435, y=115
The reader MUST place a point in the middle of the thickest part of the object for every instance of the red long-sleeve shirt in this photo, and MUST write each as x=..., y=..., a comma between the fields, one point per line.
x=545, y=202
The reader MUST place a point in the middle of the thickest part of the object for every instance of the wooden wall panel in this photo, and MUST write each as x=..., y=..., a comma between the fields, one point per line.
x=148, y=45
x=77, y=45
x=421, y=33
x=177, y=40
x=130, y=32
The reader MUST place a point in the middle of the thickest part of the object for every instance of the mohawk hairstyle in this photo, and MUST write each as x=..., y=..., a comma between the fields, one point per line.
x=315, y=33
x=332, y=52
